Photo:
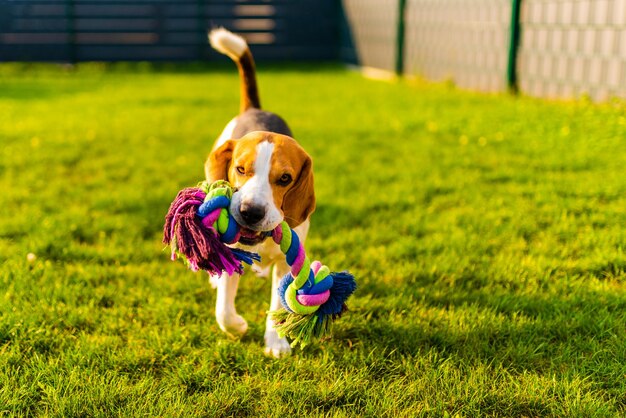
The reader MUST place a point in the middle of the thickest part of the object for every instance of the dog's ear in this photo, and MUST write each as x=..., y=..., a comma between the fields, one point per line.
x=299, y=201
x=218, y=162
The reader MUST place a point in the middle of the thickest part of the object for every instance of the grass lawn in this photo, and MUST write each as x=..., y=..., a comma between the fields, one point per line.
x=487, y=234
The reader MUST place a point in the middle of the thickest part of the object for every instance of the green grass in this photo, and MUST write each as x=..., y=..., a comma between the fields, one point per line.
x=487, y=234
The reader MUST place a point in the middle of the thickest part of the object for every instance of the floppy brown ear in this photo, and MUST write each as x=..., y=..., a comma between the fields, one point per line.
x=299, y=201
x=218, y=162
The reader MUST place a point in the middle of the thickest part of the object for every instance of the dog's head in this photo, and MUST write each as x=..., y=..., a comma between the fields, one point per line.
x=273, y=179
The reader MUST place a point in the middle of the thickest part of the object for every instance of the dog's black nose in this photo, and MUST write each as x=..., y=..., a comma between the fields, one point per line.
x=251, y=213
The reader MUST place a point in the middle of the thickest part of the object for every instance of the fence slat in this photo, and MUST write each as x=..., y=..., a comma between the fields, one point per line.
x=118, y=29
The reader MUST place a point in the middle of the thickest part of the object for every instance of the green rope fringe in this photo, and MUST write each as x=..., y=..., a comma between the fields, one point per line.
x=301, y=329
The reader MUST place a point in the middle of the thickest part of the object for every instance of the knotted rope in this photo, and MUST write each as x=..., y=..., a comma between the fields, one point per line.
x=312, y=296
x=199, y=225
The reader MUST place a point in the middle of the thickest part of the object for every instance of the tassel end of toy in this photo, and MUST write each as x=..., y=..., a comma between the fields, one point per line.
x=317, y=326
x=199, y=245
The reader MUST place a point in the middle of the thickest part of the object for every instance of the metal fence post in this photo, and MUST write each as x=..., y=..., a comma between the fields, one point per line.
x=400, y=37
x=513, y=46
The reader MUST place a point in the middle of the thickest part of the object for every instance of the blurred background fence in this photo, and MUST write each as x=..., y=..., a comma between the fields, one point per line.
x=162, y=30
x=548, y=48
x=573, y=47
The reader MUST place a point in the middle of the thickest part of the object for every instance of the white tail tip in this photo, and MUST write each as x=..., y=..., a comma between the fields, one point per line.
x=227, y=43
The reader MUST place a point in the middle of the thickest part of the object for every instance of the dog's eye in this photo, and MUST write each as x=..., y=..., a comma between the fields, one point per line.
x=241, y=170
x=284, y=180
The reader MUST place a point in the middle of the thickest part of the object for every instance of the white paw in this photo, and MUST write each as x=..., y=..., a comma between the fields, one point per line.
x=275, y=346
x=232, y=324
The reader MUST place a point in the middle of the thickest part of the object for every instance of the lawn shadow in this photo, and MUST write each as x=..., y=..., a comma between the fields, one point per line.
x=539, y=333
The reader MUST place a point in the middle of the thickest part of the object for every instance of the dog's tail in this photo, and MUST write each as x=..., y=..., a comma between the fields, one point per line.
x=237, y=49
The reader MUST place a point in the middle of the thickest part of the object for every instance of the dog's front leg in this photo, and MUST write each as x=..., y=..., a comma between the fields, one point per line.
x=225, y=312
x=274, y=345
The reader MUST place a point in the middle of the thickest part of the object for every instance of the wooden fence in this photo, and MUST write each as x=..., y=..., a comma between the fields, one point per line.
x=163, y=30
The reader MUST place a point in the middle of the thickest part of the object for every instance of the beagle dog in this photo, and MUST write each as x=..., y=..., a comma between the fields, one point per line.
x=273, y=179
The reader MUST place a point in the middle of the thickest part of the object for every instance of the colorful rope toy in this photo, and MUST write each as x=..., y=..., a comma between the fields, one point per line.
x=198, y=227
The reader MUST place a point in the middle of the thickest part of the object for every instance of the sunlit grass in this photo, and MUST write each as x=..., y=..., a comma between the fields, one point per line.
x=487, y=234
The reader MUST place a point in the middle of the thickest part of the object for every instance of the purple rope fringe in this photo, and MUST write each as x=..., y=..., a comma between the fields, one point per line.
x=185, y=233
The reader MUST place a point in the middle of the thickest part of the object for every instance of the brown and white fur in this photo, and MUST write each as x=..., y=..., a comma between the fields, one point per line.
x=273, y=179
